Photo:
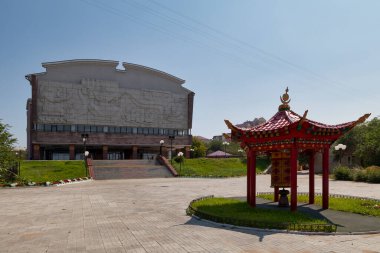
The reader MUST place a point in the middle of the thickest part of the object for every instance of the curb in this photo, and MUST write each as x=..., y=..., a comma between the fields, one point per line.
x=267, y=230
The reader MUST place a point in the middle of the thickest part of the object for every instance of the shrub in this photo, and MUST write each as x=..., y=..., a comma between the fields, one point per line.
x=361, y=175
x=343, y=173
x=373, y=174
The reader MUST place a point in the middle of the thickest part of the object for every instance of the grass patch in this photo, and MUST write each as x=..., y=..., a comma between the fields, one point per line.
x=43, y=171
x=236, y=212
x=214, y=167
x=352, y=205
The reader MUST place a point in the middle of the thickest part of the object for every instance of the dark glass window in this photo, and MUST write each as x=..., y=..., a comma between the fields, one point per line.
x=40, y=127
x=170, y=132
x=99, y=129
x=87, y=128
x=129, y=130
x=139, y=130
x=123, y=130
x=59, y=128
x=80, y=128
x=117, y=129
x=146, y=130
x=135, y=130
x=156, y=131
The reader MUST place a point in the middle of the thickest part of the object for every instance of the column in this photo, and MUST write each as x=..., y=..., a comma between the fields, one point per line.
x=187, y=152
x=36, y=152
x=134, y=152
x=252, y=178
x=72, y=151
x=311, y=177
x=248, y=178
x=105, y=152
x=325, y=179
x=293, y=178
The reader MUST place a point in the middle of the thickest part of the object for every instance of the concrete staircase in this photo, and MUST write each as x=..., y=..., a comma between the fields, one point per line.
x=124, y=169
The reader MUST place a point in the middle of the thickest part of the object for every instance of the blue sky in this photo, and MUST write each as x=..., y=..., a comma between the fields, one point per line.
x=237, y=56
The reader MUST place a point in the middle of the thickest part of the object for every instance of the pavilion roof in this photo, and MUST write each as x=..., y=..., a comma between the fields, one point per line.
x=285, y=120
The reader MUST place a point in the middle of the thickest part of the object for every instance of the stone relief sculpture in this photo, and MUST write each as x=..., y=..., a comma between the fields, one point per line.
x=101, y=102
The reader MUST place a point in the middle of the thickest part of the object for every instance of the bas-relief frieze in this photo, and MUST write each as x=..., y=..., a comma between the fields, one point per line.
x=99, y=102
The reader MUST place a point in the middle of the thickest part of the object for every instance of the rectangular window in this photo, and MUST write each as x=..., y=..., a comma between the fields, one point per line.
x=170, y=132
x=146, y=130
x=73, y=128
x=156, y=131
x=99, y=129
x=117, y=130
x=139, y=130
x=105, y=129
x=123, y=130
x=129, y=130
x=59, y=128
x=47, y=128
x=87, y=128
x=135, y=130
x=40, y=127
x=80, y=128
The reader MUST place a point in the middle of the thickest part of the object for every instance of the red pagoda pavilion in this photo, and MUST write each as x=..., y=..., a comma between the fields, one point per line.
x=283, y=137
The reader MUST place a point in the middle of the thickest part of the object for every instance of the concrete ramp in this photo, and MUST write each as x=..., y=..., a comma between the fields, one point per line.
x=125, y=169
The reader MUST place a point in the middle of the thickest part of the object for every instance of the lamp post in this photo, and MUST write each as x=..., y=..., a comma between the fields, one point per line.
x=18, y=154
x=225, y=143
x=85, y=153
x=171, y=138
x=340, y=147
x=180, y=155
x=161, y=143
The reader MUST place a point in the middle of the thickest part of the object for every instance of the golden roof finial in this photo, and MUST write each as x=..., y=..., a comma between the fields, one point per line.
x=285, y=100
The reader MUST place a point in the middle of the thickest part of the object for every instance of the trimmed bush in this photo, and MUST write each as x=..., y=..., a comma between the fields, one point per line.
x=373, y=174
x=361, y=176
x=343, y=173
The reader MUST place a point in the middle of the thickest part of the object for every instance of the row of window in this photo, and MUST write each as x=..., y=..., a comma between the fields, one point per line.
x=110, y=129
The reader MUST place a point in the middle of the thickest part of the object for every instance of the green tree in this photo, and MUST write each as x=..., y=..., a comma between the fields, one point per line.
x=199, y=148
x=215, y=145
x=364, y=142
x=7, y=154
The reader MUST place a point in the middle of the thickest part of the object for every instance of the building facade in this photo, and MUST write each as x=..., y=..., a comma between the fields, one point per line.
x=126, y=113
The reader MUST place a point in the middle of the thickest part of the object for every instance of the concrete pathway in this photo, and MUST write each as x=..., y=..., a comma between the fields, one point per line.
x=148, y=215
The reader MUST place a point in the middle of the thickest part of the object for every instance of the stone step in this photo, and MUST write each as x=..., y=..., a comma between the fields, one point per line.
x=124, y=169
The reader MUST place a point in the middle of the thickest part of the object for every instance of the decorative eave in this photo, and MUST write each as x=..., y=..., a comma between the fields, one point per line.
x=286, y=125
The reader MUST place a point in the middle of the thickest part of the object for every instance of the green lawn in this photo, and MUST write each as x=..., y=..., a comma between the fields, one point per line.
x=353, y=205
x=236, y=212
x=214, y=167
x=42, y=171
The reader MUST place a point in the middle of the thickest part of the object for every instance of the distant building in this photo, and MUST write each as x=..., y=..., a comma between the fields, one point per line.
x=125, y=113
x=203, y=139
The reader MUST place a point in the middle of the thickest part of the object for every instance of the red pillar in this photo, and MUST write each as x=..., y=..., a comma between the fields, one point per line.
x=134, y=152
x=276, y=193
x=252, y=181
x=311, y=177
x=36, y=152
x=187, y=152
x=248, y=178
x=325, y=179
x=293, y=178
x=72, y=151
x=105, y=152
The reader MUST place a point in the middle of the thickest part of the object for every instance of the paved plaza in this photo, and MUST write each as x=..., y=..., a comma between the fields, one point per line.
x=148, y=215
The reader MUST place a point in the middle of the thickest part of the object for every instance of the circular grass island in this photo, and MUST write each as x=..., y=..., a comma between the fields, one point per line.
x=237, y=212
x=349, y=214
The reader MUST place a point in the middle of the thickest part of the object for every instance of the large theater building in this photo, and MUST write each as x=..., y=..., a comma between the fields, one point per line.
x=125, y=112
